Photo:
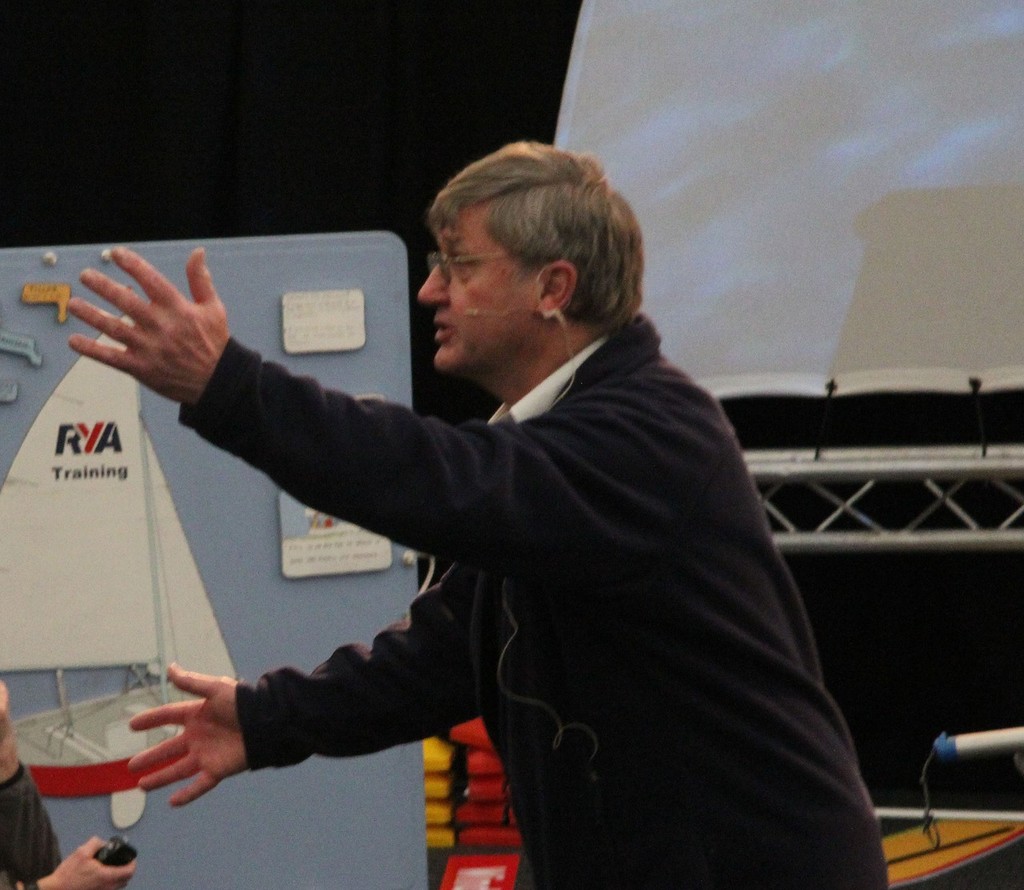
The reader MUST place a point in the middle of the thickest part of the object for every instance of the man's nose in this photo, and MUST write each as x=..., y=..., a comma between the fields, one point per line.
x=434, y=289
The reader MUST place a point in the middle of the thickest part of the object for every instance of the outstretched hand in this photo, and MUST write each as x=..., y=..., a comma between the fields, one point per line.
x=168, y=343
x=209, y=748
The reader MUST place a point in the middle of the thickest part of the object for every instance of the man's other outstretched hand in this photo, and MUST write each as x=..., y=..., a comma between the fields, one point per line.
x=208, y=749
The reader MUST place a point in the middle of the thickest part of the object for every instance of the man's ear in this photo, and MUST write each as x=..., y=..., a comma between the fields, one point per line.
x=557, y=282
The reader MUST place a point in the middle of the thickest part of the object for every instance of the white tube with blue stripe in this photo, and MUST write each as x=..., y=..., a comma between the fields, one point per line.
x=971, y=745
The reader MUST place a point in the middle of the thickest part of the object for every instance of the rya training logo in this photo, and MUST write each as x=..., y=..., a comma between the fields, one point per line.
x=84, y=438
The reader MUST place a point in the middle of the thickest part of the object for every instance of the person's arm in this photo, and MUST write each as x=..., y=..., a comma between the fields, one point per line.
x=28, y=843
x=416, y=681
x=9, y=763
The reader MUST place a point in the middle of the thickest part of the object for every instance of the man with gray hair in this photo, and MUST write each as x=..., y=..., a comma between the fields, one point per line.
x=616, y=609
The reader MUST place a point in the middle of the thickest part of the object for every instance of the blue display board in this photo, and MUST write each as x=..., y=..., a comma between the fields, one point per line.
x=277, y=583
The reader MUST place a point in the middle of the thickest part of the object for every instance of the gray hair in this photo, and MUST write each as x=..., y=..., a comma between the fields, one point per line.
x=547, y=204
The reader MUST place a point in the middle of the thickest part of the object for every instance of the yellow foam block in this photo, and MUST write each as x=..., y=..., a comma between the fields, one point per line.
x=437, y=786
x=438, y=812
x=437, y=755
x=440, y=837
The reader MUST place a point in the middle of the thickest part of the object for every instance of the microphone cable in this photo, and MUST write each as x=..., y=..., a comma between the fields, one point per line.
x=561, y=728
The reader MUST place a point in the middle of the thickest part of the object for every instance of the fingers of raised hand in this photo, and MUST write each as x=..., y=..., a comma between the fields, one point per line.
x=174, y=771
x=121, y=330
x=200, y=282
x=153, y=283
x=118, y=329
x=156, y=286
x=121, y=296
x=203, y=782
x=173, y=714
x=195, y=683
x=172, y=749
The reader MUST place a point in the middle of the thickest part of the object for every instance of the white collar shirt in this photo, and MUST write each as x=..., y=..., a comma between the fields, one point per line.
x=546, y=393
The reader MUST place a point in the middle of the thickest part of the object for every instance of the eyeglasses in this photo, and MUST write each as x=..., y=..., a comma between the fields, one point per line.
x=437, y=259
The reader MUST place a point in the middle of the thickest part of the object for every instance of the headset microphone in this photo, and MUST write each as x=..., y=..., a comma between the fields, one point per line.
x=473, y=312
x=476, y=312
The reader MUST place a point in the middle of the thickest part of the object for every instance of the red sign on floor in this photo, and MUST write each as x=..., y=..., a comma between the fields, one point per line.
x=481, y=872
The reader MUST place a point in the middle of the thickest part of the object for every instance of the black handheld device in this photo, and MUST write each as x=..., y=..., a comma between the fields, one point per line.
x=116, y=851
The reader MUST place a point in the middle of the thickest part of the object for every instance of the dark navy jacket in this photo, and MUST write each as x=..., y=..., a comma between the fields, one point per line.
x=617, y=612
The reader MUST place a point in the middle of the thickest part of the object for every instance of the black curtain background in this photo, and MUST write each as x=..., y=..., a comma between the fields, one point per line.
x=166, y=119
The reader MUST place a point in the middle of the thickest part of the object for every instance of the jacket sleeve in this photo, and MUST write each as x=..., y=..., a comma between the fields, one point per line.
x=587, y=492
x=415, y=681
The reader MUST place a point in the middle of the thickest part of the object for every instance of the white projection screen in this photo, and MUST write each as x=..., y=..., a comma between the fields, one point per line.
x=829, y=191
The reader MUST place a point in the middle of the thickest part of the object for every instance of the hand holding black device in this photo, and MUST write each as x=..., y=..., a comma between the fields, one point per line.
x=116, y=851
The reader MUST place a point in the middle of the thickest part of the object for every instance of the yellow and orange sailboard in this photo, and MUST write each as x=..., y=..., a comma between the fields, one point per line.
x=914, y=854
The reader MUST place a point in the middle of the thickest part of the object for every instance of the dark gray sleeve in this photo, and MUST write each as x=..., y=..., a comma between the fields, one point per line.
x=28, y=844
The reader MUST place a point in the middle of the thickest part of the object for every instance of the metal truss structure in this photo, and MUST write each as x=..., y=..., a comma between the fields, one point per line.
x=898, y=499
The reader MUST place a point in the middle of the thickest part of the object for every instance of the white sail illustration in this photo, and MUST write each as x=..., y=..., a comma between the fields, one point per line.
x=96, y=573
